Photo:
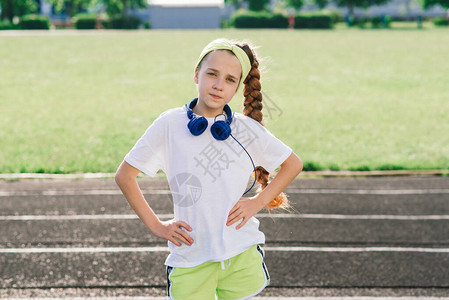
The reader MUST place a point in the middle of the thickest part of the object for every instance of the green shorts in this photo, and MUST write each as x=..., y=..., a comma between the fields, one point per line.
x=241, y=277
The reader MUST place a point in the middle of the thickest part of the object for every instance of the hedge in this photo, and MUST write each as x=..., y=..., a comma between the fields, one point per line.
x=249, y=19
x=34, y=22
x=381, y=22
x=373, y=22
x=89, y=21
x=440, y=21
x=263, y=19
x=84, y=21
x=8, y=26
x=131, y=22
x=313, y=21
x=335, y=15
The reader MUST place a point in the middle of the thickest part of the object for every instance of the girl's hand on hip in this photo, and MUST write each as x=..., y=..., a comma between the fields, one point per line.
x=174, y=232
x=244, y=210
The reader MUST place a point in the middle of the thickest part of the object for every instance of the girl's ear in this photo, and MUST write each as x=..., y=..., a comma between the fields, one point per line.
x=195, y=77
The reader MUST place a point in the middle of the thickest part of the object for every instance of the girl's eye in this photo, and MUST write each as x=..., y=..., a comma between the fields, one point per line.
x=211, y=74
x=231, y=80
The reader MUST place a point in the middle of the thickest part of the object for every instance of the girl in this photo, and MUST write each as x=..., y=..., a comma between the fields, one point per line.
x=208, y=154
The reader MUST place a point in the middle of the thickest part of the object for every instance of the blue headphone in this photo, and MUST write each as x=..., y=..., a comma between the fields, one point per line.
x=220, y=130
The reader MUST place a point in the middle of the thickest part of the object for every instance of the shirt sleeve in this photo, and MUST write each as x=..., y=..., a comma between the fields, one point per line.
x=273, y=151
x=147, y=154
x=265, y=149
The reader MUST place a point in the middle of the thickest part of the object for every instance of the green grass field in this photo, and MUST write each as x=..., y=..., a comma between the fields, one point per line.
x=345, y=99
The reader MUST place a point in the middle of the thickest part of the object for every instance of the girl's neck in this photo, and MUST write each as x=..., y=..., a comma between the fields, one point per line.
x=207, y=112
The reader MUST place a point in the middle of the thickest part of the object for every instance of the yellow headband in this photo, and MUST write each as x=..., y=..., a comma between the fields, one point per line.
x=223, y=44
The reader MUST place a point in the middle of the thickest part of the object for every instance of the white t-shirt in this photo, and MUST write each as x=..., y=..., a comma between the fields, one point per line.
x=207, y=177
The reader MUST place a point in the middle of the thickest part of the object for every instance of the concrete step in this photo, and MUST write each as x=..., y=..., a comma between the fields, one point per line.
x=306, y=269
x=293, y=231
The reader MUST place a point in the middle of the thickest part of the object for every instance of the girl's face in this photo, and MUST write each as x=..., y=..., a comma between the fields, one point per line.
x=218, y=79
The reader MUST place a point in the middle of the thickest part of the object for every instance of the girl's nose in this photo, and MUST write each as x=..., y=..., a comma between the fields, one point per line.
x=218, y=84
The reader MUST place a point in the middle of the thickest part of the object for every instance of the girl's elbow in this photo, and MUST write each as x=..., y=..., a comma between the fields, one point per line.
x=299, y=165
x=124, y=174
x=294, y=164
x=118, y=177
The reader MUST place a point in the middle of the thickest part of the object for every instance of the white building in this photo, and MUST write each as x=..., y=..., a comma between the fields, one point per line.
x=184, y=14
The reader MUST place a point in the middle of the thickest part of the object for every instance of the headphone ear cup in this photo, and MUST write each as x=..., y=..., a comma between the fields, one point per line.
x=220, y=130
x=197, y=125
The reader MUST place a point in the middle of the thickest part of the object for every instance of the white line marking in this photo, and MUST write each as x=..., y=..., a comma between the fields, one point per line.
x=77, y=193
x=355, y=217
x=167, y=192
x=96, y=298
x=77, y=217
x=99, y=298
x=256, y=298
x=84, y=250
x=375, y=217
x=357, y=249
x=57, y=176
x=267, y=248
x=274, y=216
x=352, y=298
x=368, y=192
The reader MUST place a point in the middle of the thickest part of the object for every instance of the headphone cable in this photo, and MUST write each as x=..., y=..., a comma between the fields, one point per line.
x=255, y=172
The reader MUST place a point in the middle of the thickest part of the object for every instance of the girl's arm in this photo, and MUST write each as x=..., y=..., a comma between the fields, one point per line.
x=248, y=207
x=126, y=179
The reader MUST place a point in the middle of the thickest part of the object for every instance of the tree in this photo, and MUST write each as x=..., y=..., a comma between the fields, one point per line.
x=321, y=3
x=113, y=7
x=257, y=5
x=351, y=4
x=236, y=3
x=70, y=7
x=16, y=8
x=430, y=3
x=121, y=7
x=296, y=4
x=254, y=5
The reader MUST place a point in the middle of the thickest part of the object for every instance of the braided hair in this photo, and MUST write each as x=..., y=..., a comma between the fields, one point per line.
x=252, y=107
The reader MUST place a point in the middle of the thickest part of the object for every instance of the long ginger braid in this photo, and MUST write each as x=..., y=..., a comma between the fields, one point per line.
x=252, y=107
